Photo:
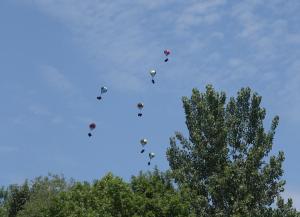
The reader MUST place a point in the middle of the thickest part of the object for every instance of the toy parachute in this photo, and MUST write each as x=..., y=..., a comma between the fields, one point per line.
x=92, y=126
x=151, y=156
x=152, y=73
x=140, y=107
x=102, y=91
x=167, y=53
x=143, y=143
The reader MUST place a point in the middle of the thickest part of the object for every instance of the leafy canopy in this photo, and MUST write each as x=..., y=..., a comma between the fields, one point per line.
x=225, y=163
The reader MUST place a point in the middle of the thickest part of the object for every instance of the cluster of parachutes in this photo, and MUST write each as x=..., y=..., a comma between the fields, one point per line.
x=140, y=106
x=92, y=126
x=151, y=154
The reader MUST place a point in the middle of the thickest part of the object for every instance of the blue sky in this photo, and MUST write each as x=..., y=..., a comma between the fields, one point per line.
x=55, y=55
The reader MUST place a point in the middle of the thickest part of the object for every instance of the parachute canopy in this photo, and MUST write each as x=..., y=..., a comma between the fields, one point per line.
x=140, y=105
x=152, y=73
x=143, y=142
x=103, y=90
x=151, y=155
x=167, y=52
x=92, y=126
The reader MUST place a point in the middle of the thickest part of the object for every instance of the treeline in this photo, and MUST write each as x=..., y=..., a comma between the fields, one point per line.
x=223, y=169
x=150, y=194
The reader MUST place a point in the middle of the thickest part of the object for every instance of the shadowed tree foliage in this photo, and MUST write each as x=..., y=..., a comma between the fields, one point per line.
x=107, y=197
x=43, y=190
x=147, y=195
x=13, y=199
x=32, y=199
x=155, y=195
x=3, y=202
x=225, y=164
x=18, y=197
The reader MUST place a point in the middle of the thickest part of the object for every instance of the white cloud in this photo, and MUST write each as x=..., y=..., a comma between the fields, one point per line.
x=200, y=12
x=287, y=91
x=252, y=42
x=57, y=80
x=293, y=38
x=124, y=33
x=244, y=13
x=56, y=120
x=8, y=149
x=111, y=32
x=39, y=110
x=268, y=29
x=43, y=111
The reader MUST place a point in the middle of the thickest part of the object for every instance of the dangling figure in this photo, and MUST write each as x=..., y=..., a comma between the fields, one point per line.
x=143, y=143
x=152, y=73
x=140, y=107
x=167, y=53
x=102, y=91
x=92, y=126
x=151, y=155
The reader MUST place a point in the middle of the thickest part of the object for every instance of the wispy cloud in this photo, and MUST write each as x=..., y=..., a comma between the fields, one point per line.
x=42, y=111
x=246, y=43
x=39, y=110
x=124, y=33
x=200, y=12
x=55, y=79
x=8, y=149
x=57, y=120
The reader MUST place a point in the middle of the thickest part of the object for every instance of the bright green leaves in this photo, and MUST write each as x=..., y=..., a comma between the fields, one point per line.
x=223, y=163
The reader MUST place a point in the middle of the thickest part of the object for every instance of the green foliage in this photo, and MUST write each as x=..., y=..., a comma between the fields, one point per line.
x=43, y=190
x=31, y=200
x=3, y=202
x=285, y=209
x=107, y=197
x=17, y=198
x=147, y=195
x=224, y=164
x=155, y=195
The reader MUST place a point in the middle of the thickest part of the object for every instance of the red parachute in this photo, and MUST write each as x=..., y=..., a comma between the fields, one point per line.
x=92, y=126
x=167, y=53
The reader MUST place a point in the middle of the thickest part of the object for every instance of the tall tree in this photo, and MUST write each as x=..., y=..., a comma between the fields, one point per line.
x=3, y=202
x=17, y=198
x=225, y=164
x=43, y=191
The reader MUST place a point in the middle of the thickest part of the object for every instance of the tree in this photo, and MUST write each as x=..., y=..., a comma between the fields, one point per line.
x=225, y=164
x=155, y=195
x=108, y=197
x=17, y=196
x=147, y=195
x=43, y=190
x=3, y=202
